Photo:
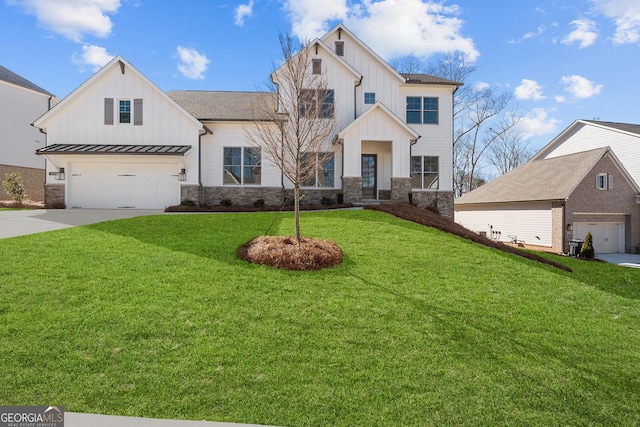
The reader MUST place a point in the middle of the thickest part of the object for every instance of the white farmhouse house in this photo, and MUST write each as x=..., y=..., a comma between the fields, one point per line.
x=587, y=179
x=119, y=141
x=22, y=100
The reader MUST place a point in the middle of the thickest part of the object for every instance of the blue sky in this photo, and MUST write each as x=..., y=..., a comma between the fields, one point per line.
x=561, y=59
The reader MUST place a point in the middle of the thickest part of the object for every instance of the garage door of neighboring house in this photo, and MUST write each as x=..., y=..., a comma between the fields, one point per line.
x=123, y=185
x=608, y=237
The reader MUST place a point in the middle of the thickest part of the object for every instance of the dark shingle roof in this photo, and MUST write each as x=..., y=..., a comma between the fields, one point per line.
x=626, y=127
x=11, y=77
x=115, y=149
x=222, y=106
x=428, y=79
x=537, y=180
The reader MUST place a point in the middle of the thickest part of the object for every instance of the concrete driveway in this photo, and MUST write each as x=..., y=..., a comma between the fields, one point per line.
x=30, y=221
x=625, y=260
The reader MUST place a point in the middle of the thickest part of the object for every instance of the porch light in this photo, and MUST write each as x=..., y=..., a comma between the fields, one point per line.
x=569, y=227
x=182, y=176
x=59, y=175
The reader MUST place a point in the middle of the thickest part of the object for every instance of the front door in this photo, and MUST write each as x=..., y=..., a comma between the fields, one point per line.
x=369, y=178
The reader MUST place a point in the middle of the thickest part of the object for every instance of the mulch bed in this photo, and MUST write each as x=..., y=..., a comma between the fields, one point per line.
x=283, y=252
x=432, y=219
x=22, y=205
x=184, y=208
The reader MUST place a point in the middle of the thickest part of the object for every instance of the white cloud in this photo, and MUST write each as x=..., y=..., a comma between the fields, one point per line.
x=537, y=122
x=560, y=99
x=243, y=11
x=93, y=56
x=392, y=28
x=480, y=86
x=72, y=18
x=529, y=89
x=192, y=64
x=626, y=15
x=585, y=33
x=580, y=87
x=539, y=31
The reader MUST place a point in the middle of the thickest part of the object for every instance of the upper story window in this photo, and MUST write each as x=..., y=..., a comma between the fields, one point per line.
x=340, y=48
x=323, y=173
x=424, y=172
x=317, y=103
x=604, y=181
x=316, y=67
x=422, y=110
x=242, y=166
x=127, y=111
x=369, y=98
x=124, y=111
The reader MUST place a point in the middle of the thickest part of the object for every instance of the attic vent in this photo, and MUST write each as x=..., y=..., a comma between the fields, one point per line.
x=340, y=48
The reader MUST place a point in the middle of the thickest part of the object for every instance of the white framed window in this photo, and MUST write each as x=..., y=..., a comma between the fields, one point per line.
x=601, y=181
x=242, y=166
x=124, y=111
x=369, y=97
x=324, y=174
x=317, y=103
x=422, y=110
x=339, y=48
x=316, y=67
x=425, y=172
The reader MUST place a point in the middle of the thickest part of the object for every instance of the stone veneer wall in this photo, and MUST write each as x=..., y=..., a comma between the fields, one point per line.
x=189, y=192
x=54, y=196
x=242, y=196
x=352, y=189
x=425, y=199
x=33, y=181
x=400, y=189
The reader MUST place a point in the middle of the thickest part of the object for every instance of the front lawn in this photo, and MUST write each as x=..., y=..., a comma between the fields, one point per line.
x=156, y=317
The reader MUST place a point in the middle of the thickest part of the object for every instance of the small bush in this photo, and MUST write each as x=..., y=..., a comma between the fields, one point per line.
x=226, y=203
x=259, y=203
x=340, y=197
x=327, y=201
x=187, y=202
x=14, y=187
x=587, y=250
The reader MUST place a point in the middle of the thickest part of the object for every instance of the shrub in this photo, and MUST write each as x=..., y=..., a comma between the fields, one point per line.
x=327, y=201
x=226, y=203
x=14, y=187
x=187, y=202
x=587, y=250
x=340, y=197
x=259, y=203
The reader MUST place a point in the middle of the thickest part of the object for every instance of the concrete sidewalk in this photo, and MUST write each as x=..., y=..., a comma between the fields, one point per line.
x=74, y=419
x=30, y=221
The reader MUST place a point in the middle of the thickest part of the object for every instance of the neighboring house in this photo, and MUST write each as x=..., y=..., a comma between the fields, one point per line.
x=122, y=142
x=22, y=101
x=551, y=200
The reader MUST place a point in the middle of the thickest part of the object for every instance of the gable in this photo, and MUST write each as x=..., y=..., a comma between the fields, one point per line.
x=586, y=135
x=378, y=122
x=116, y=80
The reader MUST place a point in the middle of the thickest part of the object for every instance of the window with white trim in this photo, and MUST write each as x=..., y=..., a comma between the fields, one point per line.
x=422, y=110
x=124, y=111
x=424, y=172
x=317, y=102
x=242, y=166
x=369, y=97
x=324, y=174
x=601, y=181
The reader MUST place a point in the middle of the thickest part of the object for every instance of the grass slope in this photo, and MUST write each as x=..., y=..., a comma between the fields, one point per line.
x=156, y=316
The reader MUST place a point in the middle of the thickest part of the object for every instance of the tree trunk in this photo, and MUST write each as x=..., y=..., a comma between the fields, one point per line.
x=296, y=192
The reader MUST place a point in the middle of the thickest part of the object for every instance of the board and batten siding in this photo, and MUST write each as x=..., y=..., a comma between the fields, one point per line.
x=625, y=146
x=530, y=222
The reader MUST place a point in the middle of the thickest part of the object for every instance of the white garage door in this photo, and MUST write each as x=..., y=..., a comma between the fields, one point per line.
x=608, y=237
x=123, y=185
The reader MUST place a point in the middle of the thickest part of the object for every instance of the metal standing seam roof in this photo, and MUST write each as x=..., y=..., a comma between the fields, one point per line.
x=537, y=180
x=115, y=149
x=428, y=79
x=11, y=77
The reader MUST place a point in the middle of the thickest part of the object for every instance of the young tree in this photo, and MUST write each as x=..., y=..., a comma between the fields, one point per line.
x=14, y=187
x=296, y=133
x=509, y=151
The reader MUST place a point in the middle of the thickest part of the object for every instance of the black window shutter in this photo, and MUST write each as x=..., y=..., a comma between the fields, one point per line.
x=108, y=111
x=137, y=111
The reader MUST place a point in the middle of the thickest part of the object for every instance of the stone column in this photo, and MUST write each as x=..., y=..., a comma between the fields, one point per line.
x=54, y=196
x=400, y=188
x=352, y=189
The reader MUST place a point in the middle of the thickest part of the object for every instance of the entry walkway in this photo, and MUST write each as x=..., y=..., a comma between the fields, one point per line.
x=30, y=221
x=74, y=419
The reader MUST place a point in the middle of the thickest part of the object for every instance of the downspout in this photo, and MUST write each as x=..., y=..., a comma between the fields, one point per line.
x=355, y=99
x=200, y=188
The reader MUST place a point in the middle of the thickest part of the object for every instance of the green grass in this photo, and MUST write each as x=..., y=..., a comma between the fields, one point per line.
x=156, y=317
